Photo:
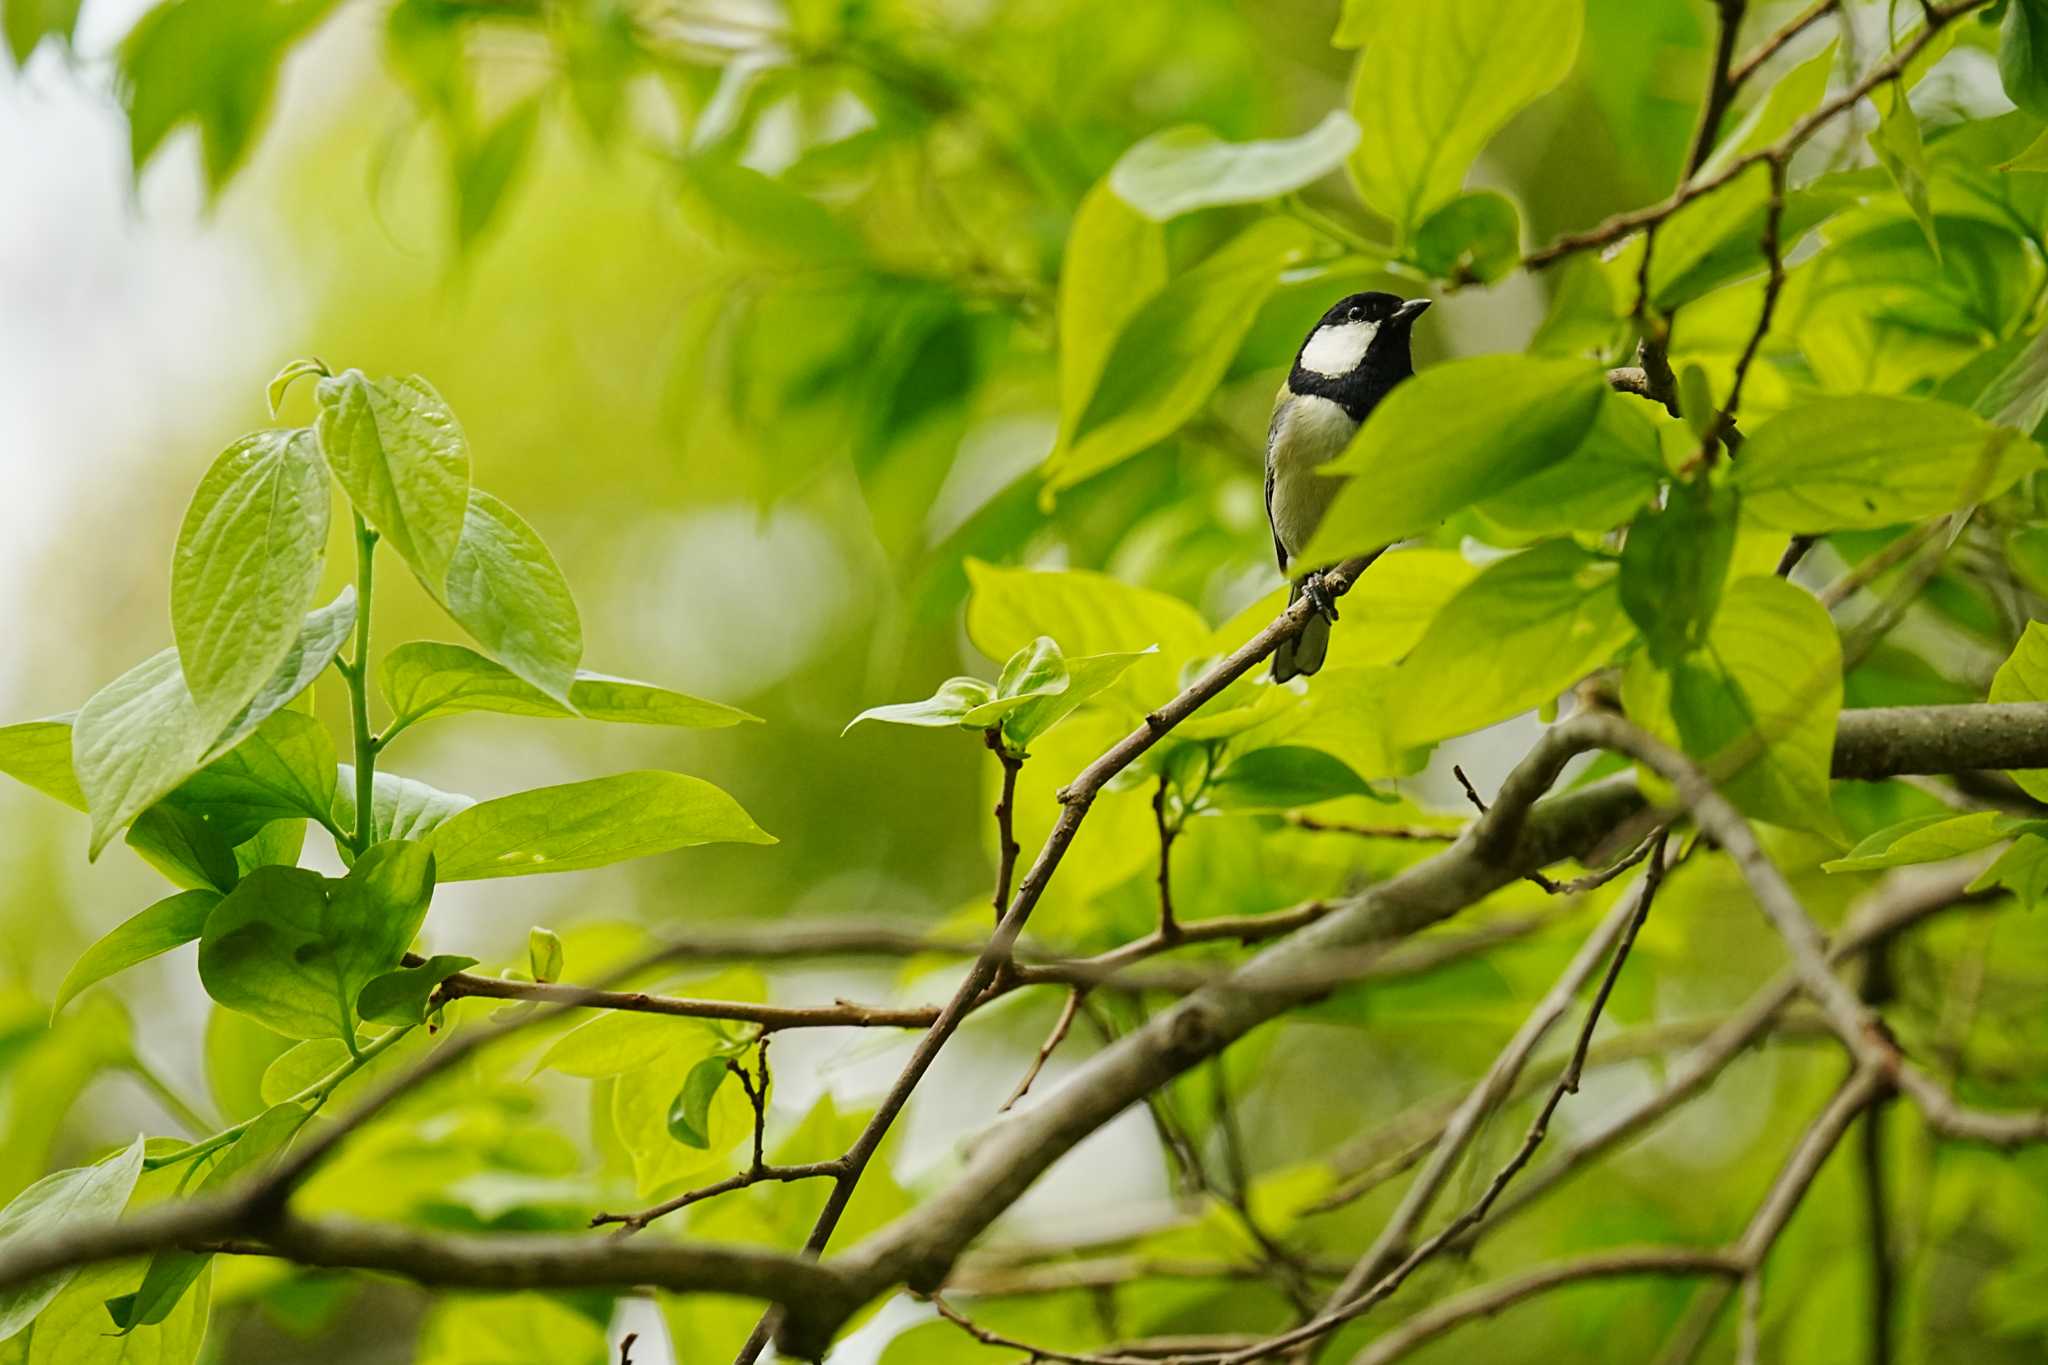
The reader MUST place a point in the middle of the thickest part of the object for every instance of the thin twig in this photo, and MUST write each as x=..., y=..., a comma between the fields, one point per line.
x=1052, y=1041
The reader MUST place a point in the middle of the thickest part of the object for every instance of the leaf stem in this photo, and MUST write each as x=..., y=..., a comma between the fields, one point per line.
x=358, y=675
x=167, y=1095
x=313, y=1096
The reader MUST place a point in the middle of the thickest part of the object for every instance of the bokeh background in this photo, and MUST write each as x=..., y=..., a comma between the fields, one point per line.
x=762, y=451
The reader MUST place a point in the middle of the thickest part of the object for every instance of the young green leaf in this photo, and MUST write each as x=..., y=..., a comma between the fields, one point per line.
x=2021, y=869
x=1674, y=565
x=401, y=996
x=1186, y=168
x=171, y=1273
x=396, y=449
x=617, y=1042
x=27, y=22
x=89, y=1194
x=1548, y=616
x=1438, y=81
x=1174, y=350
x=505, y=589
x=1087, y=678
x=946, y=707
x=321, y=637
x=2023, y=55
x=401, y=807
x=2024, y=677
x=1282, y=778
x=247, y=563
x=1896, y=142
x=1757, y=707
x=1488, y=422
x=165, y=925
x=1475, y=237
x=486, y=166
x=426, y=678
x=1930, y=839
x=588, y=824
x=294, y=954
x=1602, y=483
x=278, y=843
x=689, y=1116
x=1115, y=260
x=2017, y=396
x=1088, y=613
x=1869, y=461
x=185, y=848
x=134, y=741
x=544, y=954
x=284, y=770
x=37, y=753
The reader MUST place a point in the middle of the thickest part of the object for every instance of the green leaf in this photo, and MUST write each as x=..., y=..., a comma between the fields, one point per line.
x=247, y=564
x=75, y=1329
x=425, y=678
x=2021, y=869
x=294, y=954
x=2024, y=677
x=401, y=996
x=1174, y=350
x=2033, y=158
x=401, y=808
x=397, y=450
x=1927, y=839
x=165, y=925
x=689, y=1116
x=87, y=1195
x=478, y=1329
x=185, y=848
x=1488, y=422
x=2023, y=55
x=284, y=770
x=1189, y=167
x=588, y=824
x=1088, y=613
x=1718, y=237
x=617, y=1042
x=171, y=1273
x=280, y=383
x=321, y=637
x=1601, y=484
x=135, y=740
x=486, y=166
x=278, y=843
x=1088, y=677
x=1283, y=777
x=209, y=62
x=946, y=707
x=1555, y=611
x=27, y=22
x=1475, y=238
x=544, y=954
x=1896, y=141
x=37, y=753
x=300, y=1067
x=505, y=589
x=1115, y=260
x=2017, y=396
x=1674, y=565
x=1757, y=707
x=1438, y=81
x=1870, y=461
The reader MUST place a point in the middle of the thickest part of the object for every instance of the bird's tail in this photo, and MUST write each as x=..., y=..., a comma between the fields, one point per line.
x=1302, y=655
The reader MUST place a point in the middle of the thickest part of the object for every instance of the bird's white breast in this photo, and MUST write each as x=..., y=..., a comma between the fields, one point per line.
x=1310, y=431
x=1336, y=348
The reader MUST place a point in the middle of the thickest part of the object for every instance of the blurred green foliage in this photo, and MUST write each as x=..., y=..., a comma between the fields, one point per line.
x=836, y=348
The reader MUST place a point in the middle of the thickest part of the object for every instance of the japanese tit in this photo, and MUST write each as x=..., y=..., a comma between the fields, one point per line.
x=1347, y=364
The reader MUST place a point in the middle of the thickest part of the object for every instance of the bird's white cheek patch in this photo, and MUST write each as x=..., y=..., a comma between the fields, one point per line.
x=1336, y=350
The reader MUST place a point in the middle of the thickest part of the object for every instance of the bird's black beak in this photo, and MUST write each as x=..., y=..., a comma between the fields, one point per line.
x=1411, y=310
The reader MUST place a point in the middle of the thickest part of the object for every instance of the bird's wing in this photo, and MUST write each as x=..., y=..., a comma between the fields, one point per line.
x=1272, y=434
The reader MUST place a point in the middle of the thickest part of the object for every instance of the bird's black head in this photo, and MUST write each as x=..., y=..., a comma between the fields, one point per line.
x=1358, y=350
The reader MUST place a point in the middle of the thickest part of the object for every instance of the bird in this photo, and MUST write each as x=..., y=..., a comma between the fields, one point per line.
x=1351, y=359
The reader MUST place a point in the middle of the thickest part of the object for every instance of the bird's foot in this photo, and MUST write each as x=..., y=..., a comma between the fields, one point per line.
x=1319, y=597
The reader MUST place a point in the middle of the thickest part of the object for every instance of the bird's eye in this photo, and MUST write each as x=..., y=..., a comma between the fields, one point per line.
x=1355, y=314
